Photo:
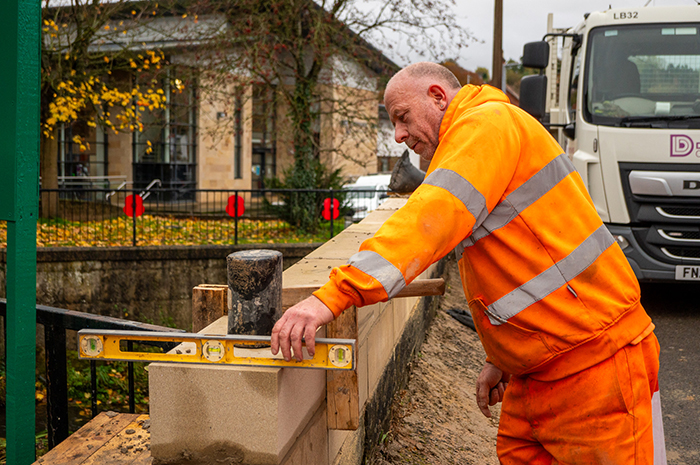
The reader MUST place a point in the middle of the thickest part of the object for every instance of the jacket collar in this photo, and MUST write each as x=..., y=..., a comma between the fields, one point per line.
x=469, y=97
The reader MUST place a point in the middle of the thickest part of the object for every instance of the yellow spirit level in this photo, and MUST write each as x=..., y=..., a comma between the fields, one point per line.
x=240, y=350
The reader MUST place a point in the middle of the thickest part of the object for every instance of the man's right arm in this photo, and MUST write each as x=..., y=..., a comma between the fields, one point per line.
x=473, y=167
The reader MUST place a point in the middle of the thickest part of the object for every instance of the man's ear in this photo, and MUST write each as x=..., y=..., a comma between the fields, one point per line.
x=438, y=94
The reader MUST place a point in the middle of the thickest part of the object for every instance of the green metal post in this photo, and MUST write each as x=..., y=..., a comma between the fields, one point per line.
x=20, y=30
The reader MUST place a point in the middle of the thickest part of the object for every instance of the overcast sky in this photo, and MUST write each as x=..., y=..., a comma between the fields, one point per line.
x=526, y=21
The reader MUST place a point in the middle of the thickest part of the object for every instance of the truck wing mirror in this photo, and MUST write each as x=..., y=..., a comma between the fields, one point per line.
x=536, y=55
x=570, y=130
x=533, y=93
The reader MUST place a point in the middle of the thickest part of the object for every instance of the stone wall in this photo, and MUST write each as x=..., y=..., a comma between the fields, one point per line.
x=148, y=284
x=283, y=416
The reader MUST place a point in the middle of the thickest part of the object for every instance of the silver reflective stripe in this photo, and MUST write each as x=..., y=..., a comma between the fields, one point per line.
x=657, y=423
x=380, y=269
x=456, y=185
x=459, y=250
x=553, y=278
x=528, y=193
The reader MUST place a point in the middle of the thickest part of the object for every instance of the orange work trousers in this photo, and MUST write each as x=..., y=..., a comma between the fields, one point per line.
x=602, y=415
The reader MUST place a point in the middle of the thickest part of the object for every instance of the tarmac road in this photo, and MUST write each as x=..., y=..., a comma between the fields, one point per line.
x=675, y=310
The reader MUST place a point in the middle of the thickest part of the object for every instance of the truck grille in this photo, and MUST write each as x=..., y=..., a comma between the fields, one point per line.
x=666, y=225
x=686, y=212
x=680, y=236
x=681, y=253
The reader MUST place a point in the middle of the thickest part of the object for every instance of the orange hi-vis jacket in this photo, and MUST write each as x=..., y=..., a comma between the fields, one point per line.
x=550, y=291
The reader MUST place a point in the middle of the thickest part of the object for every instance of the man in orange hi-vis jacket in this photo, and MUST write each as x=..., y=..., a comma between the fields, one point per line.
x=571, y=353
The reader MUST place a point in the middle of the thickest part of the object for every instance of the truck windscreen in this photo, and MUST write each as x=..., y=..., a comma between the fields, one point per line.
x=643, y=75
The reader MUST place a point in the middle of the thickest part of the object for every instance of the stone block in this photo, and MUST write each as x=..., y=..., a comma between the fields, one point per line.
x=336, y=439
x=347, y=447
x=362, y=373
x=213, y=412
x=366, y=229
x=393, y=204
x=367, y=317
x=343, y=246
x=380, y=345
x=310, y=271
x=401, y=311
x=378, y=217
x=311, y=447
x=403, y=307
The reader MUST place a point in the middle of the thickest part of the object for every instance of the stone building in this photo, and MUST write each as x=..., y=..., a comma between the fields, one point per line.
x=224, y=138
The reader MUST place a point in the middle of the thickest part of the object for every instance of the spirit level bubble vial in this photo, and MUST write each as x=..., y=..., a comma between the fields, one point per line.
x=91, y=346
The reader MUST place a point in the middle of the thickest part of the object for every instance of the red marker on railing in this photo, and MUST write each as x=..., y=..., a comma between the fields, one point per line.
x=233, y=202
x=326, y=213
x=133, y=202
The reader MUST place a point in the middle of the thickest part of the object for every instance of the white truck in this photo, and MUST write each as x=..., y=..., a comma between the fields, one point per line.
x=622, y=92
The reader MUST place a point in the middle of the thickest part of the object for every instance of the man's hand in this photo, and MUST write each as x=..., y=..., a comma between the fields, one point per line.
x=301, y=320
x=490, y=387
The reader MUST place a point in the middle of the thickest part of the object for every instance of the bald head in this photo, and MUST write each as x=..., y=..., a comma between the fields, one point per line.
x=429, y=71
x=416, y=99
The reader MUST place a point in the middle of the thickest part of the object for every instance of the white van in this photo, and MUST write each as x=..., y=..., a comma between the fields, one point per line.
x=368, y=192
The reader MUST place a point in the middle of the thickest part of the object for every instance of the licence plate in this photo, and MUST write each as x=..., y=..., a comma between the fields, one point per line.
x=687, y=273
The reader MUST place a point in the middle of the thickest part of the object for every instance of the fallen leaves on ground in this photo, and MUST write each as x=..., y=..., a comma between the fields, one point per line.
x=151, y=230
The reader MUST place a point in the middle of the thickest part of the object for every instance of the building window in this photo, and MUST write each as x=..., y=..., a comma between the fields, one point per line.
x=82, y=168
x=384, y=164
x=166, y=148
x=264, y=153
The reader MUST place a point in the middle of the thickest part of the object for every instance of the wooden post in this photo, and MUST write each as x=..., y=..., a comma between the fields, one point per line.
x=497, y=64
x=209, y=303
x=342, y=391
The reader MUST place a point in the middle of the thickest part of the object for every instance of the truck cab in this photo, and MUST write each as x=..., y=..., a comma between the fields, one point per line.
x=624, y=103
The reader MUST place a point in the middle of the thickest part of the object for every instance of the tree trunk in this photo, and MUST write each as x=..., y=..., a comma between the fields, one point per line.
x=304, y=206
x=302, y=120
x=48, y=170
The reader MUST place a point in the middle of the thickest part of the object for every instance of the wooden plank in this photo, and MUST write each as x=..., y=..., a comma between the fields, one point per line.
x=131, y=444
x=87, y=440
x=419, y=287
x=145, y=458
x=209, y=303
x=423, y=287
x=342, y=400
x=342, y=392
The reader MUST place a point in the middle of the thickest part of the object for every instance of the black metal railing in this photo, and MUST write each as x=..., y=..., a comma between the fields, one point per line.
x=103, y=217
x=56, y=322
